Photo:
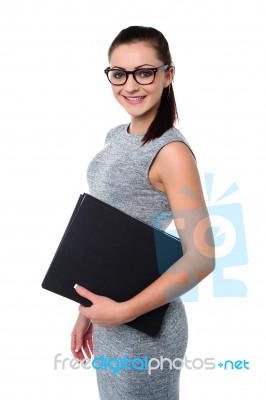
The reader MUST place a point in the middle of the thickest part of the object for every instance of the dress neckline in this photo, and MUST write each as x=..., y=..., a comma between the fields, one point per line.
x=138, y=135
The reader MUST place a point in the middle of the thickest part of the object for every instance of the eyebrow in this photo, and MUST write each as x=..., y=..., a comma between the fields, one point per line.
x=143, y=65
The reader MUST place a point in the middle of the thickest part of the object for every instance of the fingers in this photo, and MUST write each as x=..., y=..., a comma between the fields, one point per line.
x=85, y=293
x=88, y=342
x=81, y=344
x=86, y=348
x=76, y=346
x=91, y=345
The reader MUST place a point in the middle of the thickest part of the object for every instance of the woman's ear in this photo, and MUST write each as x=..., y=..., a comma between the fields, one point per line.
x=169, y=76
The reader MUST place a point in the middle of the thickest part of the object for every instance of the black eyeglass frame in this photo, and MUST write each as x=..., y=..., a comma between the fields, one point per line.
x=162, y=68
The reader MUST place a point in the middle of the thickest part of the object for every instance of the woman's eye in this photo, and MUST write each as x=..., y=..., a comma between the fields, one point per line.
x=145, y=73
x=118, y=74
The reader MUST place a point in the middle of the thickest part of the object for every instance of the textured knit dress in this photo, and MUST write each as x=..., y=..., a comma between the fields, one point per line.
x=118, y=175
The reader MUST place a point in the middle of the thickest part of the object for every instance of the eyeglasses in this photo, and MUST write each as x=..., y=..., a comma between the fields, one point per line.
x=143, y=76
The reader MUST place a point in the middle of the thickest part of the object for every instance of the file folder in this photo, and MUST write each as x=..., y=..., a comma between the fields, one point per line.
x=112, y=254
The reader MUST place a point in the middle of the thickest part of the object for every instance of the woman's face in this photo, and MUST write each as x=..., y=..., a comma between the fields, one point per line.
x=140, y=101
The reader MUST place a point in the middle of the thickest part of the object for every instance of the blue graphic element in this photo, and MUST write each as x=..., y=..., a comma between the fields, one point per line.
x=208, y=183
x=236, y=256
x=218, y=238
x=233, y=188
x=229, y=238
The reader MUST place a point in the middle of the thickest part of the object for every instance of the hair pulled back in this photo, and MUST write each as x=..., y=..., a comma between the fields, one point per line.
x=167, y=112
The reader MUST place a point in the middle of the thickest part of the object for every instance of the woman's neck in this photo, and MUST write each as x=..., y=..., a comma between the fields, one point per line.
x=139, y=125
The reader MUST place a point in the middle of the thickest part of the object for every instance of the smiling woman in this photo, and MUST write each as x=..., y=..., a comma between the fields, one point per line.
x=145, y=169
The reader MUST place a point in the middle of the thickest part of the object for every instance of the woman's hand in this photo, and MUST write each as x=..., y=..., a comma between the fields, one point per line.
x=81, y=338
x=104, y=311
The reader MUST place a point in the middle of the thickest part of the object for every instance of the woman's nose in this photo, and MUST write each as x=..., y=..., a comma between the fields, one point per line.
x=131, y=85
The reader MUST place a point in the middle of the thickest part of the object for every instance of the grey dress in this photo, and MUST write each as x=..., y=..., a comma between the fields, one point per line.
x=118, y=175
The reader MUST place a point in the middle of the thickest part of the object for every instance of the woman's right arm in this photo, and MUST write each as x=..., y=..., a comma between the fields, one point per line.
x=81, y=338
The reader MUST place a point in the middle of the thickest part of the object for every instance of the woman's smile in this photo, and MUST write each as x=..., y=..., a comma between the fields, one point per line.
x=134, y=99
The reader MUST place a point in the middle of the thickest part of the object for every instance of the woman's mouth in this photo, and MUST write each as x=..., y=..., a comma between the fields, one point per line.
x=134, y=99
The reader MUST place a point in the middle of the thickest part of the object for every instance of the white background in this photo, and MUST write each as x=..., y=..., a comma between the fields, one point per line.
x=55, y=109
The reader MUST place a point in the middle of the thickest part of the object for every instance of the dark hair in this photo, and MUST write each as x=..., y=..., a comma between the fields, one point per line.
x=167, y=112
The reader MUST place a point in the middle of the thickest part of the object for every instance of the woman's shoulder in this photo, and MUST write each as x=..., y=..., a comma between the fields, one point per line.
x=113, y=132
x=172, y=135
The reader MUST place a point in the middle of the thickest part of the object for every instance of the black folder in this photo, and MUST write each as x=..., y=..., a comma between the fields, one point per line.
x=112, y=254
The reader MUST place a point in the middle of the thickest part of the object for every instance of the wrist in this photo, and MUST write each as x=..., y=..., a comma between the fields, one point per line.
x=82, y=317
x=128, y=312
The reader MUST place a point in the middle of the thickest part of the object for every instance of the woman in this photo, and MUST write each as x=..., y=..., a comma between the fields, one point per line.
x=146, y=168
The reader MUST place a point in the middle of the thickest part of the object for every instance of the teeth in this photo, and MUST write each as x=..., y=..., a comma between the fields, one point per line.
x=135, y=98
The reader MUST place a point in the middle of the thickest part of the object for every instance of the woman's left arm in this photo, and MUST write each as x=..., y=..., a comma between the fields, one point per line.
x=179, y=175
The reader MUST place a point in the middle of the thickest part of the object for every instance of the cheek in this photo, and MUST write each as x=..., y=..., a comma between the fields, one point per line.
x=116, y=92
x=157, y=94
x=157, y=90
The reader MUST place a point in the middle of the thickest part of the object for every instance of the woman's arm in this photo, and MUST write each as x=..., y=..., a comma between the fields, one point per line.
x=179, y=175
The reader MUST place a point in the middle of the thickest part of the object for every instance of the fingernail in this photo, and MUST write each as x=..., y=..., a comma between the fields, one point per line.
x=75, y=286
x=76, y=349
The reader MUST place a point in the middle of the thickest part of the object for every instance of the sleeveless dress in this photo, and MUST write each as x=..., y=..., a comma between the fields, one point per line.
x=118, y=175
